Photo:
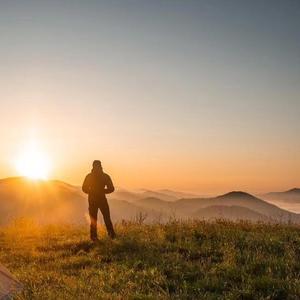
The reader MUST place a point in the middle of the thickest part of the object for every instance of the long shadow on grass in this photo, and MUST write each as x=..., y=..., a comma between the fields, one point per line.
x=72, y=247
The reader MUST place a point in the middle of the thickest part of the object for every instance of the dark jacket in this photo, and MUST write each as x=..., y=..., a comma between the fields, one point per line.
x=97, y=184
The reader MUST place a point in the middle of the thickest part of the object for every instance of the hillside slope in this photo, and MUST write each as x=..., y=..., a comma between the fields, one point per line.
x=58, y=202
x=45, y=201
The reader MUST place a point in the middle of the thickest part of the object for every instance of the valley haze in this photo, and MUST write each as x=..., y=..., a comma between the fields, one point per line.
x=55, y=201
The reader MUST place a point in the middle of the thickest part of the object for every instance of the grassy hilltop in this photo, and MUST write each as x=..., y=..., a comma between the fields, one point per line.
x=192, y=260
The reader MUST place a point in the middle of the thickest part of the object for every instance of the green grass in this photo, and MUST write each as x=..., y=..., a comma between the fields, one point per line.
x=191, y=260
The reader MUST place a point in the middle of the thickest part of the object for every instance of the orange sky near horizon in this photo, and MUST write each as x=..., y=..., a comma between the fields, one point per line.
x=209, y=171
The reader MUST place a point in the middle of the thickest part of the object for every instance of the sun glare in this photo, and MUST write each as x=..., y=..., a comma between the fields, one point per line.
x=33, y=163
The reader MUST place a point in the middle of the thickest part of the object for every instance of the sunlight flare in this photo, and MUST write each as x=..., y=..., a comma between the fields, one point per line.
x=32, y=162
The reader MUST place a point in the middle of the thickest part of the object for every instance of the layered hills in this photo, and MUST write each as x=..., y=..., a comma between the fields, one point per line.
x=55, y=201
x=289, y=200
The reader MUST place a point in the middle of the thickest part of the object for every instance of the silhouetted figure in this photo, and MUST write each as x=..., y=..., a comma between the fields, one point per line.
x=97, y=184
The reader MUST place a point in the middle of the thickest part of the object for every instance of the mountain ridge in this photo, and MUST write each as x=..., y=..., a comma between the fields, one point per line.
x=289, y=200
x=56, y=200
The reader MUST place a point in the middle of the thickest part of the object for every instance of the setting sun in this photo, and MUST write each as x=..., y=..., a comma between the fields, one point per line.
x=32, y=162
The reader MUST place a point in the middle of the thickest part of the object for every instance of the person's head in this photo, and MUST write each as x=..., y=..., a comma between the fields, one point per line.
x=97, y=165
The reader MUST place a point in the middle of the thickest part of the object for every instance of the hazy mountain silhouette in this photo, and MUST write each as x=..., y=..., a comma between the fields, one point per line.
x=123, y=194
x=124, y=210
x=155, y=194
x=290, y=196
x=289, y=200
x=163, y=194
x=56, y=201
x=233, y=213
x=187, y=208
x=178, y=195
x=152, y=202
x=45, y=201
x=241, y=199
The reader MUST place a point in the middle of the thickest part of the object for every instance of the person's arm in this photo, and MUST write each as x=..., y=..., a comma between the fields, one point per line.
x=109, y=186
x=86, y=185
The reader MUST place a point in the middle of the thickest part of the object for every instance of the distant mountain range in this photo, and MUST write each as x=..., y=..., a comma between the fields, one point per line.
x=290, y=196
x=163, y=194
x=56, y=201
x=288, y=199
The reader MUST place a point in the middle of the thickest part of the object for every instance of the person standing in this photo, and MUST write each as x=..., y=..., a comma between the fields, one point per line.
x=97, y=184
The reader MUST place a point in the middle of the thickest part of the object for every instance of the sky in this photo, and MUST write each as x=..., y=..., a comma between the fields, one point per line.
x=189, y=95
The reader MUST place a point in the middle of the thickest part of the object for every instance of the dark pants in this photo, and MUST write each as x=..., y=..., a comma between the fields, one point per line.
x=94, y=205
